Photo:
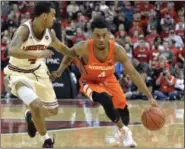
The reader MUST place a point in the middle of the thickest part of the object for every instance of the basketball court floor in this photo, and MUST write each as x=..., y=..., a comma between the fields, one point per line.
x=81, y=123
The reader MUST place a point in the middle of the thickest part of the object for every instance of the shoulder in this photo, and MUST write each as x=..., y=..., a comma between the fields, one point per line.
x=22, y=32
x=120, y=53
x=119, y=48
x=81, y=48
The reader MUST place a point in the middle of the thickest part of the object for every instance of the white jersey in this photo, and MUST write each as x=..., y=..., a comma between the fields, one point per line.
x=32, y=44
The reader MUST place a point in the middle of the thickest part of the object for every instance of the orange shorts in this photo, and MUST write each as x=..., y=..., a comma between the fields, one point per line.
x=109, y=85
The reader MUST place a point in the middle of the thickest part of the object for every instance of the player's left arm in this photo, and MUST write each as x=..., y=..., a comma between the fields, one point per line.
x=59, y=46
x=121, y=56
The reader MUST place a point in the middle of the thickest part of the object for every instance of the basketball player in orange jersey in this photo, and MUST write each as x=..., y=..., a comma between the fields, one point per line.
x=96, y=60
x=27, y=72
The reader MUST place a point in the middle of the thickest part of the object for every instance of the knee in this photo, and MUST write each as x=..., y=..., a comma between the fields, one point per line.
x=53, y=111
x=36, y=107
x=103, y=98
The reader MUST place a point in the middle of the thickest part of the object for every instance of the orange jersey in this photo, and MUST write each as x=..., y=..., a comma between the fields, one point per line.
x=96, y=70
x=99, y=77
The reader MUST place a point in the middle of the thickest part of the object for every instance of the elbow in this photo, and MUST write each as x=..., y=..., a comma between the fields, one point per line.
x=12, y=53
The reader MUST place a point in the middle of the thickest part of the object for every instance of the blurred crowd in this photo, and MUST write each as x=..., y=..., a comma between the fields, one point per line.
x=152, y=34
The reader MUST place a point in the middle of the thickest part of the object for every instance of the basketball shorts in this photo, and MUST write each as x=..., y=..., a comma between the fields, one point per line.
x=109, y=85
x=38, y=80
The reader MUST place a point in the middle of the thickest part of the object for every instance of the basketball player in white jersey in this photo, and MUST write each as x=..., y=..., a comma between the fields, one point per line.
x=27, y=72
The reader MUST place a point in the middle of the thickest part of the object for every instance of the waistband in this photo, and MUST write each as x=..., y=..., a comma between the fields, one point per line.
x=17, y=69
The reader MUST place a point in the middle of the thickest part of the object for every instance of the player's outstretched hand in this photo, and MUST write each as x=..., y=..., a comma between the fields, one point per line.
x=54, y=75
x=153, y=102
x=45, y=54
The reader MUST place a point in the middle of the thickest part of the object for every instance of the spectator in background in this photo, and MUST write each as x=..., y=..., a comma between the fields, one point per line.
x=135, y=27
x=104, y=8
x=180, y=27
x=161, y=65
x=82, y=9
x=25, y=17
x=166, y=52
x=166, y=84
x=5, y=8
x=79, y=36
x=87, y=30
x=70, y=33
x=128, y=10
x=80, y=20
x=141, y=52
x=135, y=37
x=158, y=43
x=154, y=54
x=120, y=19
x=151, y=36
x=167, y=23
x=111, y=25
x=97, y=10
x=152, y=20
x=7, y=36
x=141, y=38
x=174, y=50
x=72, y=8
x=88, y=7
x=11, y=20
x=143, y=6
x=169, y=9
x=178, y=40
x=121, y=33
x=26, y=6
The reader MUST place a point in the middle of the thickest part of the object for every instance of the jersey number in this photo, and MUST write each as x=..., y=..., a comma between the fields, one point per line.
x=32, y=61
x=103, y=74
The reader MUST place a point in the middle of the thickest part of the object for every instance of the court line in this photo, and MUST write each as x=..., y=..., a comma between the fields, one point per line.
x=81, y=128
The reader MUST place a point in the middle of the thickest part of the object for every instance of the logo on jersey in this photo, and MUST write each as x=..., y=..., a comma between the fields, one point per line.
x=101, y=67
x=34, y=47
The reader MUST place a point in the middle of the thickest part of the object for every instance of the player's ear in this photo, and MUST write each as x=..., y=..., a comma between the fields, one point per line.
x=44, y=16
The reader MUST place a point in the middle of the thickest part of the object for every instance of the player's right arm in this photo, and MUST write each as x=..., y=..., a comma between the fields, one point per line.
x=79, y=50
x=14, y=49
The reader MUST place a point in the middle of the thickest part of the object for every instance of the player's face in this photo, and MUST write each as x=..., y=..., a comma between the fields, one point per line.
x=101, y=37
x=50, y=18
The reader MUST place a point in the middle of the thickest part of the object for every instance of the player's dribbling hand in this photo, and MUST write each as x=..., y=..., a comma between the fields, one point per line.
x=54, y=75
x=45, y=54
x=153, y=102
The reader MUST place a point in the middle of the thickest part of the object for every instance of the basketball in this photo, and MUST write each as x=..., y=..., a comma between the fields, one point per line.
x=153, y=118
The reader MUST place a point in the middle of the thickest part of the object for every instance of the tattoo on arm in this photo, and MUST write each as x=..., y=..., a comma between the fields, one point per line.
x=19, y=37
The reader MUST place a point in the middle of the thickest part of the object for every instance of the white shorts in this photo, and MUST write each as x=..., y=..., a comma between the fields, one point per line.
x=39, y=81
